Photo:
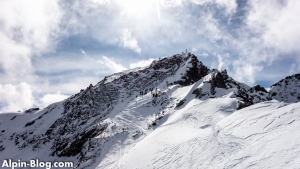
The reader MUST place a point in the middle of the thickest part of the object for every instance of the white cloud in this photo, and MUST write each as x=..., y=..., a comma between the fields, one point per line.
x=224, y=61
x=221, y=62
x=27, y=28
x=210, y=27
x=141, y=63
x=130, y=42
x=83, y=52
x=15, y=97
x=201, y=2
x=194, y=49
x=277, y=22
x=52, y=98
x=170, y=3
x=34, y=23
x=295, y=67
x=111, y=64
x=271, y=29
x=100, y=2
x=34, y=27
x=245, y=72
x=158, y=9
x=14, y=61
x=72, y=72
x=203, y=54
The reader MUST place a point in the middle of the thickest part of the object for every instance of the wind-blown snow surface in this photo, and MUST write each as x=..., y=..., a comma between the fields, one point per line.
x=193, y=123
x=202, y=135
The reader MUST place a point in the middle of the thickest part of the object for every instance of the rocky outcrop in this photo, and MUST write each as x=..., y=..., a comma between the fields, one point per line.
x=218, y=80
x=32, y=110
x=181, y=102
x=197, y=92
x=195, y=71
x=246, y=95
x=287, y=89
x=258, y=88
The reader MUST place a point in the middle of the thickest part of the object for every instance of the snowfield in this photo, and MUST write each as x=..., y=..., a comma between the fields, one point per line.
x=204, y=134
x=268, y=134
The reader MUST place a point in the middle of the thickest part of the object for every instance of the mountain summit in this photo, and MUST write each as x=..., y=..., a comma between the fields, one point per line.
x=175, y=104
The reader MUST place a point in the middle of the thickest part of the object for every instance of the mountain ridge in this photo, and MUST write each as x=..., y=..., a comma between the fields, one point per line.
x=128, y=106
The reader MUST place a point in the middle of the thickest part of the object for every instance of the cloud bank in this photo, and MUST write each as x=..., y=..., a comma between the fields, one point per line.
x=130, y=42
x=15, y=97
x=52, y=98
x=51, y=46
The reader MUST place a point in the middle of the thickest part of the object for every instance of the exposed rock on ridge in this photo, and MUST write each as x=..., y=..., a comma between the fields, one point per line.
x=287, y=89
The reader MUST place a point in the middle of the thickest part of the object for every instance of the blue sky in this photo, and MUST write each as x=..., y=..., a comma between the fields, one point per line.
x=50, y=50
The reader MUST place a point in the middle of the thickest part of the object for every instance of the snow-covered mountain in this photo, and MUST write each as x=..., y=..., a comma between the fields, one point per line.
x=174, y=113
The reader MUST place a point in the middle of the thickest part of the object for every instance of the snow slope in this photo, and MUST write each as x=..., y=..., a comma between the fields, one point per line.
x=264, y=135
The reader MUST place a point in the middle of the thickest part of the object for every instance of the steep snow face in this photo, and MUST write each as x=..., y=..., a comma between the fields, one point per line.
x=287, y=90
x=264, y=135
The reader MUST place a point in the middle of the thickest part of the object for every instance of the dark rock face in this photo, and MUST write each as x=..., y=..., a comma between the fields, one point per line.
x=32, y=110
x=197, y=92
x=246, y=100
x=2, y=148
x=247, y=96
x=77, y=143
x=180, y=103
x=219, y=81
x=168, y=63
x=258, y=88
x=194, y=73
